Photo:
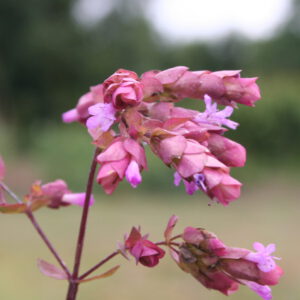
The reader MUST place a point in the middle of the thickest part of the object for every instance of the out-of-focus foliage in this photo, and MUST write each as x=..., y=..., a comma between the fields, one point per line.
x=48, y=59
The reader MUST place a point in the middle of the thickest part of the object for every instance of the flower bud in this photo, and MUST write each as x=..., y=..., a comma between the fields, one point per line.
x=143, y=250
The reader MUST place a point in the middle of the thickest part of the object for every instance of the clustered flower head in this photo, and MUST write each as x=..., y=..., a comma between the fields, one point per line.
x=203, y=255
x=127, y=112
x=217, y=266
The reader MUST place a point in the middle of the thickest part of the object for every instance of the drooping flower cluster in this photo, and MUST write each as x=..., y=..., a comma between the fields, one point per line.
x=217, y=266
x=143, y=109
x=52, y=194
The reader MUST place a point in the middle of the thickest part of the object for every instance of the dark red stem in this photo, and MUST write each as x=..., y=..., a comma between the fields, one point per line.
x=73, y=286
x=47, y=242
x=98, y=265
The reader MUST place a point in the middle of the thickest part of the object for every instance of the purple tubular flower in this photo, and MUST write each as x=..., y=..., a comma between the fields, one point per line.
x=265, y=262
x=212, y=115
x=133, y=174
x=77, y=199
x=263, y=291
x=200, y=181
x=103, y=116
x=177, y=179
x=190, y=187
x=193, y=186
x=219, y=267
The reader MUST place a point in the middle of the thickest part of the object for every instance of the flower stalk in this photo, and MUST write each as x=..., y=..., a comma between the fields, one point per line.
x=73, y=284
x=47, y=242
x=98, y=265
x=38, y=228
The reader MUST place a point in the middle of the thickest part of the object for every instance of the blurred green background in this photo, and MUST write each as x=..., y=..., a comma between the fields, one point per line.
x=48, y=59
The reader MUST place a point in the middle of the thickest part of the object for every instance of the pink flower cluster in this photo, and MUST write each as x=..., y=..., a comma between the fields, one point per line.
x=53, y=194
x=217, y=266
x=127, y=112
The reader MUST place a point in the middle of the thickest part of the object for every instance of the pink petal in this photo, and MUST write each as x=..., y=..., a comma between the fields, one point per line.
x=263, y=291
x=177, y=179
x=272, y=277
x=70, y=116
x=2, y=168
x=115, y=151
x=133, y=174
x=77, y=199
x=136, y=251
x=270, y=248
x=137, y=151
x=258, y=246
x=103, y=116
x=190, y=187
x=84, y=103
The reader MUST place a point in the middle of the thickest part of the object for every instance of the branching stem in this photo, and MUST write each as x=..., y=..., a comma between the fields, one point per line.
x=47, y=242
x=38, y=228
x=98, y=265
x=73, y=286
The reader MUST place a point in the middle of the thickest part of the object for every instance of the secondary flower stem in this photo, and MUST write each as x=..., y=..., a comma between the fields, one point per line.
x=10, y=192
x=38, y=229
x=47, y=242
x=176, y=237
x=73, y=286
x=102, y=262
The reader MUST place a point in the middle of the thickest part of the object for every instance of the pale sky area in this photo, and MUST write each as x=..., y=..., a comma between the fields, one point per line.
x=185, y=20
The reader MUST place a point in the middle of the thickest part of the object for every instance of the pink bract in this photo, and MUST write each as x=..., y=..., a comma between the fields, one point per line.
x=124, y=157
x=122, y=89
x=225, y=87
